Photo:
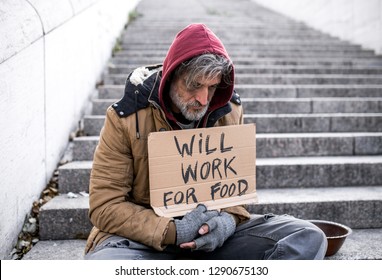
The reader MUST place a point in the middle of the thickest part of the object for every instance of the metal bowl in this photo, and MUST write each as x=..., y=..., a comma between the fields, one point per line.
x=335, y=233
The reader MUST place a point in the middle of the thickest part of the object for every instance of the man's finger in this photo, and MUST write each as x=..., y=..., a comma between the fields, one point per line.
x=204, y=229
x=188, y=245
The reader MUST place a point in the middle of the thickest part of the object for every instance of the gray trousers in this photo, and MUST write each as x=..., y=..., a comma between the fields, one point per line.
x=263, y=237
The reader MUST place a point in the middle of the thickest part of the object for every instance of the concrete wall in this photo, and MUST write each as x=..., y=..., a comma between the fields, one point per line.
x=51, y=55
x=357, y=21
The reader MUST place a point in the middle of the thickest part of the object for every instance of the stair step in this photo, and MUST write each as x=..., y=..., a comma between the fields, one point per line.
x=318, y=144
x=246, y=32
x=74, y=176
x=288, y=105
x=232, y=39
x=297, y=79
x=161, y=50
x=311, y=105
x=258, y=45
x=362, y=244
x=282, y=172
x=130, y=48
x=84, y=147
x=274, y=91
x=289, y=91
x=298, y=123
x=260, y=53
x=65, y=218
x=303, y=79
x=281, y=145
x=173, y=25
x=275, y=69
x=93, y=124
x=70, y=249
x=317, y=172
x=342, y=205
x=308, y=69
x=286, y=123
x=307, y=61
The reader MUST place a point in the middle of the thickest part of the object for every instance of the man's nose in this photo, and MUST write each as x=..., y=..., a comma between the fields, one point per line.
x=202, y=96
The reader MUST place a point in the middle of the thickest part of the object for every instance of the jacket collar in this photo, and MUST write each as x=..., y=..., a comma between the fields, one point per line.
x=140, y=96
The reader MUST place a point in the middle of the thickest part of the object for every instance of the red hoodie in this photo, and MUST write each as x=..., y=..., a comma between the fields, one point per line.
x=194, y=40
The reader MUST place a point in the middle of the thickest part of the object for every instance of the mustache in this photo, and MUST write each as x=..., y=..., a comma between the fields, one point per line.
x=196, y=103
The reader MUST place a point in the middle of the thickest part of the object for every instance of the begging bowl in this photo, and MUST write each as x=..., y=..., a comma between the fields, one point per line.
x=335, y=233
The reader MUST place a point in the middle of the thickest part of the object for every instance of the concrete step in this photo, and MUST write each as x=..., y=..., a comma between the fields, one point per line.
x=264, y=18
x=281, y=172
x=260, y=53
x=93, y=124
x=65, y=218
x=228, y=39
x=356, y=207
x=84, y=147
x=258, y=45
x=69, y=249
x=307, y=61
x=161, y=49
x=303, y=79
x=275, y=69
x=281, y=145
x=274, y=91
x=265, y=79
x=74, y=176
x=307, y=123
x=318, y=144
x=285, y=123
x=360, y=245
x=288, y=105
x=174, y=24
x=232, y=31
x=318, y=172
x=286, y=91
x=346, y=205
x=311, y=105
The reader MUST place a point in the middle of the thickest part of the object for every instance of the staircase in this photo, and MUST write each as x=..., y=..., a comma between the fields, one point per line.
x=316, y=102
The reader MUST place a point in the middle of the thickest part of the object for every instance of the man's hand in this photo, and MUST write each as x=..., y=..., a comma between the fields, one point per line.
x=187, y=228
x=213, y=233
x=192, y=245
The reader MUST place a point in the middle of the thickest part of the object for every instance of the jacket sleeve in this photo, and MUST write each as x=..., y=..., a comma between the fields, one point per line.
x=111, y=182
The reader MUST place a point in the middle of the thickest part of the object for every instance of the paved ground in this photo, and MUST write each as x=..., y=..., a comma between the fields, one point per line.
x=354, y=248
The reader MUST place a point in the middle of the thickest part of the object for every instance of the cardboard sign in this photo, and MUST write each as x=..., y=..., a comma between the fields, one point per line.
x=213, y=166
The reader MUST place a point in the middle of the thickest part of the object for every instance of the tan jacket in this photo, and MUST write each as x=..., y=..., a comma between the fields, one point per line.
x=119, y=183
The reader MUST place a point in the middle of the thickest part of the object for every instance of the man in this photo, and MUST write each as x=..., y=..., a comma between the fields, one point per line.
x=193, y=89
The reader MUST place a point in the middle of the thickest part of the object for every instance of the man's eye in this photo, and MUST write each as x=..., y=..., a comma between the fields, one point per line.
x=196, y=85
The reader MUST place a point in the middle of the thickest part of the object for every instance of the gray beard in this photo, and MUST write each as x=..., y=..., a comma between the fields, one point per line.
x=183, y=107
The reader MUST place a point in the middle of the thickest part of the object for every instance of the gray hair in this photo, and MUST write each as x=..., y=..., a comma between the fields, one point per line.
x=206, y=65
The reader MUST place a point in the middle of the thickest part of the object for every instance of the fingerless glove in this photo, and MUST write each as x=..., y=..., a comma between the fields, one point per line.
x=187, y=228
x=220, y=228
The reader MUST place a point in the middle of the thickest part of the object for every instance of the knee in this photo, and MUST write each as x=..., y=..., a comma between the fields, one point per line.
x=306, y=241
x=316, y=242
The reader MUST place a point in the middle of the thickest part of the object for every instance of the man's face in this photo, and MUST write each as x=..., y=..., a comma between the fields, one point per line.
x=192, y=102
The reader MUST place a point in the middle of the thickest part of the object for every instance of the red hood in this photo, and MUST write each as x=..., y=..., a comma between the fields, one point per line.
x=194, y=40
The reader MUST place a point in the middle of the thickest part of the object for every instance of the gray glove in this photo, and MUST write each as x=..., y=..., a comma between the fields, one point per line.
x=220, y=228
x=187, y=228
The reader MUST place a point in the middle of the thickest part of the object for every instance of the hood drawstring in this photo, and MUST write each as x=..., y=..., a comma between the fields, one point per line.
x=136, y=115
